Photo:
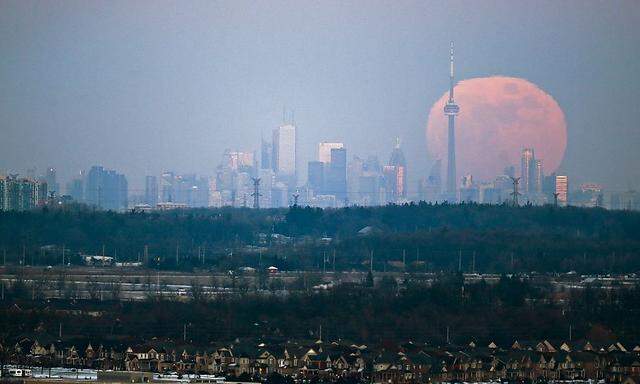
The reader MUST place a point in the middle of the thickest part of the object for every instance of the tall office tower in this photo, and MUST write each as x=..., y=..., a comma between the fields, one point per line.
x=52, y=183
x=315, y=177
x=167, y=192
x=355, y=170
x=284, y=151
x=398, y=161
x=324, y=150
x=527, y=171
x=539, y=179
x=265, y=154
x=451, y=110
x=151, y=191
x=106, y=189
x=562, y=189
x=336, y=174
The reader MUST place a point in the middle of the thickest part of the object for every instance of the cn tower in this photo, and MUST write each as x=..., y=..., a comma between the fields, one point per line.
x=451, y=109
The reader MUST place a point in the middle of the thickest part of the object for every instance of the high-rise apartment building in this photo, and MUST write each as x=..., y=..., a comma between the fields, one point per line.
x=562, y=189
x=21, y=194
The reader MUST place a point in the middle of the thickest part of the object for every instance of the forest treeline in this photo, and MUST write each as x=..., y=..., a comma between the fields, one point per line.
x=411, y=237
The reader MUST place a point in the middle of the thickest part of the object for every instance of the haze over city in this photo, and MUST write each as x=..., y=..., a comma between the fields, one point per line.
x=319, y=192
x=147, y=89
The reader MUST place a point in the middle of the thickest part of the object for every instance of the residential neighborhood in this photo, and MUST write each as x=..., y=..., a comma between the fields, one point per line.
x=325, y=361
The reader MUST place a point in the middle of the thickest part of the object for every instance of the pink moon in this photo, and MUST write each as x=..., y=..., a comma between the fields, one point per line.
x=499, y=116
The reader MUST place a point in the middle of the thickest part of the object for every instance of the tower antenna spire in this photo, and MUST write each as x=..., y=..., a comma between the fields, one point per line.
x=451, y=74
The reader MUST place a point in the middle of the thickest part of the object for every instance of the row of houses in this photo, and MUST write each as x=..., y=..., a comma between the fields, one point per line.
x=406, y=363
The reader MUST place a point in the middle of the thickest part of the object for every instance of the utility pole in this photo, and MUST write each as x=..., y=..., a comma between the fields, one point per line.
x=473, y=263
x=256, y=192
x=570, y=332
x=60, y=331
x=371, y=261
x=324, y=262
x=460, y=260
x=4, y=256
x=404, y=259
x=447, y=334
x=63, y=246
x=146, y=254
x=184, y=332
x=334, y=260
x=177, y=253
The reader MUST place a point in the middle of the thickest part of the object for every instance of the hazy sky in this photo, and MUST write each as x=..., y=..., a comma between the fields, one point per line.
x=144, y=86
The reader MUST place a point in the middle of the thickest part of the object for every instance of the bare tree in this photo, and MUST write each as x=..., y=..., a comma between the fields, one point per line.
x=94, y=288
x=115, y=289
x=197, y=291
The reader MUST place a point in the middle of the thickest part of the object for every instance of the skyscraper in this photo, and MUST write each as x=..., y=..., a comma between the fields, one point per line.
x=151, y=191
x=324, y=150
x=451, y=110
x=539, y=180
x=265, y=154
x=562, y=189
x=336, y=174
x=106, y=189
x=528, y=171
x=315, y=176
x=284, y=151
x=52, y=183
x=399, y=172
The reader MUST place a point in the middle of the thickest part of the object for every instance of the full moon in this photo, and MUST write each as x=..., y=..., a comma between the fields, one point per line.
x=499, y=116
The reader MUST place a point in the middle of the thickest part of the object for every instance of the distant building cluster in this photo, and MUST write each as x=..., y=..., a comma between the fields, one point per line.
x=101, y=188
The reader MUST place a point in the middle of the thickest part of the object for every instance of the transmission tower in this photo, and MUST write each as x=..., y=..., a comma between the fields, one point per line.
x=515, y=193
x=295, y=199
x=256, y=192
x=555, y=199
